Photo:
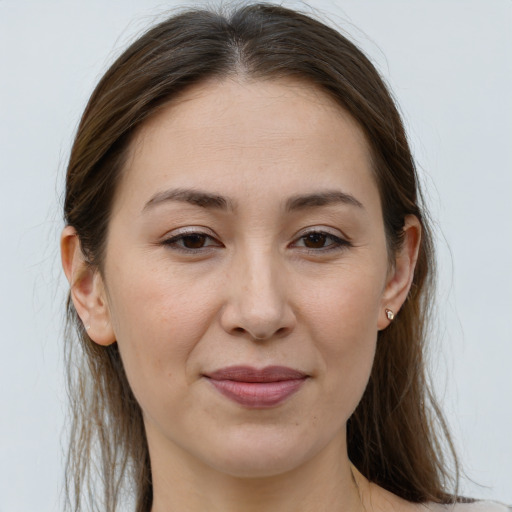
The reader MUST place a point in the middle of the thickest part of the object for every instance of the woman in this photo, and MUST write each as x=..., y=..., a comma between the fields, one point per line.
x=251, y=274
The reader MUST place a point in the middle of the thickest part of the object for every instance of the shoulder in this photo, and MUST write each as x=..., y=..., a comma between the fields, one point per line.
x=476, y=506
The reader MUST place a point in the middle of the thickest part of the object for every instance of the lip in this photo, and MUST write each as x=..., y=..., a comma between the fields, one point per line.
x=257, y=388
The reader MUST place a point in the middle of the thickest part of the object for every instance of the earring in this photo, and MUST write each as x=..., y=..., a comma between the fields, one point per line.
x=87, y=327
x=389, y=314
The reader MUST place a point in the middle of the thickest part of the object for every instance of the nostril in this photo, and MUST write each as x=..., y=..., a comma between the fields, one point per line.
x=281, y=331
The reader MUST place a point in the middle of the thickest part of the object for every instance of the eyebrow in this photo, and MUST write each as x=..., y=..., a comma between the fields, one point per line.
x=327, y=198
x=215, y=201
x=191, y=196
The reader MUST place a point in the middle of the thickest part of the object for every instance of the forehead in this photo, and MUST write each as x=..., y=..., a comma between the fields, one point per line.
x=238, y=133
x=268, y=109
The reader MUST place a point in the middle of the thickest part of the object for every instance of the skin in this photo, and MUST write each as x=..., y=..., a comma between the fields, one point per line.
x=255, y=289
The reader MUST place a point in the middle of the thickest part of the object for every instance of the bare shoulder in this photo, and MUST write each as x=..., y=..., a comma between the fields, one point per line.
x=477, y=506
x=378, y=499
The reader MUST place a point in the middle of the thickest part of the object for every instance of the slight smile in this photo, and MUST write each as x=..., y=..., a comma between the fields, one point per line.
x=258, y=389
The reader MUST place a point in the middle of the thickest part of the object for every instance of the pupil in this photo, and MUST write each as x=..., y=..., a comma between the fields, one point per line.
x=315, y=240
x=194, y=241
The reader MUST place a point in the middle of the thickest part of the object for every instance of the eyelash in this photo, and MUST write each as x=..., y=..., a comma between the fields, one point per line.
x=173, y=242
x=337, y=243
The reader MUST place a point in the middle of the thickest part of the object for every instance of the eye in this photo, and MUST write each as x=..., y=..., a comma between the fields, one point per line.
x=321, y=241
x=191, y=241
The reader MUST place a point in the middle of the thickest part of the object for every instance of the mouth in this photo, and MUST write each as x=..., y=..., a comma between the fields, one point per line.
x=257, y=388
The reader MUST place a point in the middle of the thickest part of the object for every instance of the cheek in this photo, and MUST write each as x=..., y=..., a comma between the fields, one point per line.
x=345, y=304
x=158, y=317
x=343, y=320
x=156, y=302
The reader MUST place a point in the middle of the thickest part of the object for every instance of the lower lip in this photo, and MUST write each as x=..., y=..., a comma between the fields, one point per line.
x=258, y=395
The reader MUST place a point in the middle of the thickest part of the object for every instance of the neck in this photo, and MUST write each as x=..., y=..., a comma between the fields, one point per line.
x=324, y=483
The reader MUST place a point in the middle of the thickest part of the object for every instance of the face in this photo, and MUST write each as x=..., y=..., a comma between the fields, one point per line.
x=246, y=275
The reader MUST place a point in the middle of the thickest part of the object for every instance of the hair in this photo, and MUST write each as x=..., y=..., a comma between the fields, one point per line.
x=397, y=436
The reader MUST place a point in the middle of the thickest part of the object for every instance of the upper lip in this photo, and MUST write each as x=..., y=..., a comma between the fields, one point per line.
x=250, y=374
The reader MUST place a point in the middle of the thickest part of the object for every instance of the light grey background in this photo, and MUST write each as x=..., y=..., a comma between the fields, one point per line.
x=450, y=66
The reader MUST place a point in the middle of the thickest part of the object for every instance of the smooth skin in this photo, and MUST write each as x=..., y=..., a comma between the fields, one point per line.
x=247, y=230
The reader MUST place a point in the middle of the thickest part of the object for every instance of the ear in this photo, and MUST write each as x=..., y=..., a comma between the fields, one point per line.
x=401, y=274
x=86, y=288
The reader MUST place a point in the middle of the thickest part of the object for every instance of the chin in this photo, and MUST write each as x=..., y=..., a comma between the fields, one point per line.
x=253, y=455
x=261, y=465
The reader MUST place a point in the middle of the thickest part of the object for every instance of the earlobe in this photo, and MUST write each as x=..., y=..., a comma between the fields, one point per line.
x=87, y=289
x=400, y=277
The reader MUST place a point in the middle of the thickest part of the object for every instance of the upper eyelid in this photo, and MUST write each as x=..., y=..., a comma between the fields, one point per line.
x=174, y=237
x=321, y=229
x=190, y=230
x=173, y=241
x=338, y=240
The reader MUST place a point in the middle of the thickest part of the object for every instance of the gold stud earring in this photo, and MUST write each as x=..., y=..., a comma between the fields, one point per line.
x=389, y=314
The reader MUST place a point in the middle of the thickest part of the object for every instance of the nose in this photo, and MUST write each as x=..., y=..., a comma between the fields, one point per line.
x=258, y=304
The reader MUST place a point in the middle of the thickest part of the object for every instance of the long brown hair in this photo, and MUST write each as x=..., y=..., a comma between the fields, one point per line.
x=397, y=436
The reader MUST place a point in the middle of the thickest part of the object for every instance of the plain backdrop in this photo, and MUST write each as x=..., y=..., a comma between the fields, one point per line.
x=449, y=64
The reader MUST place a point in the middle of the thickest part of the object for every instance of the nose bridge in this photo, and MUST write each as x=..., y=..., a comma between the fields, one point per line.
x=260, y=280
x=258, y=300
